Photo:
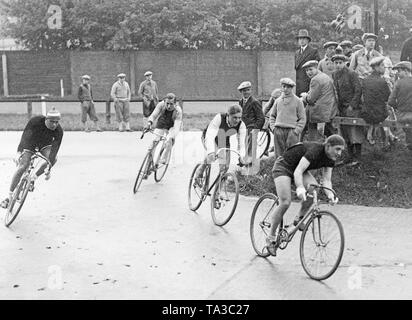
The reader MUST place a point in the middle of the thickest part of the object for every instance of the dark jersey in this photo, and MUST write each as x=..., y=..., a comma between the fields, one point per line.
x=224, y=126
x=314, y=152
x=37, y=135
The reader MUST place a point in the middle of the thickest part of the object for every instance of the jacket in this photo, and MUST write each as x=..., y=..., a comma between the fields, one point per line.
x=348, y=91
x=321, y=99
x=252, y=114
x=302, y=80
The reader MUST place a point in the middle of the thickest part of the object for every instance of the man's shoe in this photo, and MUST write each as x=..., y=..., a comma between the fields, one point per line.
x=5, y=203
x=86, y=129
x=98, y=129
x=271, y=245
x=47, y=176
x=31, y=186
x=297, y=220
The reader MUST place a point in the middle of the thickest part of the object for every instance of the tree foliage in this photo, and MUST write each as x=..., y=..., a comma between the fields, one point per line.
x=193, y=24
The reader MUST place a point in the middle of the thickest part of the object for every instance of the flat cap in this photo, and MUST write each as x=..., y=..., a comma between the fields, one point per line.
x=148, y=73
x=311, y=63
x=369, y=36
x=288, y=82
x=86, y=77
x=339, y=57
x=357, y=47
x=346, y=43
x=403, y=65
x=376, y=61
x=121, y=75
x=244, y=85
x=330, y=44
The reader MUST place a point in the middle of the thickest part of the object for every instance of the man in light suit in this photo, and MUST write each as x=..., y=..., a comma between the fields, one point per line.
x=304, y=54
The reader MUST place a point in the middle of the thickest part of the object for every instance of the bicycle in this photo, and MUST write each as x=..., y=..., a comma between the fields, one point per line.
x=149, y=165
x=22, y=189
x=226, y=185
x=316, y=223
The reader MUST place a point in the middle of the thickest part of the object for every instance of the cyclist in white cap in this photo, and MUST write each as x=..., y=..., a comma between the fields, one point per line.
x=42, y=133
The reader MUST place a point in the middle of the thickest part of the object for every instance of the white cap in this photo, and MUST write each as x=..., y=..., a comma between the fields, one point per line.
x=148, y=73
x=244, y=84
x=121, y=75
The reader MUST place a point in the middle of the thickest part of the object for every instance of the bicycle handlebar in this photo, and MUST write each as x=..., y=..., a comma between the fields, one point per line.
x=231, y=150
x=161, y=136
x=39, y=155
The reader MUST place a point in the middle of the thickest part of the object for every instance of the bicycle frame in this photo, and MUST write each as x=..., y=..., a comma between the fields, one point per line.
x=155, y=144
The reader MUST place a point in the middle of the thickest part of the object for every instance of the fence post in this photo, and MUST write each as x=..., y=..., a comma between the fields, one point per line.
x=108, y=102
x=43, y=105
x=29, y=109
x=5, y=77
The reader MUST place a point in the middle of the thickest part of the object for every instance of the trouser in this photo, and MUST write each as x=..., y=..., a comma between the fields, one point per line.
x=318, y=131
x=87, y=108
x=251, y=143
x=24, y=163
x=354, y=151
x=283, y=139
x=169, y=142
x=122, y=111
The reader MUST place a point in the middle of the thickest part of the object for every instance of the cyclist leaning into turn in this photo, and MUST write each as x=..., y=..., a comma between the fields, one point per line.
x=217, y=135
x=43, y=133
x=294, y=166
x=167, y=117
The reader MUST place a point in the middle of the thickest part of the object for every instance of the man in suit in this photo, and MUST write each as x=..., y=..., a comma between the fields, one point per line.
x=304, y=54
x=252, y=116
x=406, y=52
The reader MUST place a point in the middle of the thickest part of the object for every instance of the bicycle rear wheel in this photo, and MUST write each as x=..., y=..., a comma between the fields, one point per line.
x=17, y=201
x=161, y=168
x=224, y=199
x=261, y=221
x=321, y=245
x=196, y=194
x=142, y=172
x=263, y=142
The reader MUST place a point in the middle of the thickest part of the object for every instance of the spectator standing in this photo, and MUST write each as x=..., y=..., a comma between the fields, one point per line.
x=252, y=116
x=321, y=102
x=85, y=96
x=304, y=54
x=149, y=93
x=121, y=95
x=406, y=51
x=375, y=96
x=346, y=46
x=360, y=61
x=401, y=97
x=349, y=92
x=326, y=65
x=287, y=118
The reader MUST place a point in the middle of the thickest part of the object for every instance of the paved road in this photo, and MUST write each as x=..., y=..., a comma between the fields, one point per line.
x=85, y=235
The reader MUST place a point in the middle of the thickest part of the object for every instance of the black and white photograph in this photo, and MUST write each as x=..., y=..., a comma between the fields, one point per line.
x=221, y=151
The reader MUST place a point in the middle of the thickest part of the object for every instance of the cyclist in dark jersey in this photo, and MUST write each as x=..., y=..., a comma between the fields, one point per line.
x=294, y=166
x=167, y=117
x=42, y=133
x=217, y=135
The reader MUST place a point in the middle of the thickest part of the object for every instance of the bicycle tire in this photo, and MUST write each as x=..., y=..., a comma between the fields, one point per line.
x=255, y=221
x=213, y=211
x=302, y=243
x=23, y=187
x=142, y=171
x=263, y=143
x=195, y=205
x=158, y=176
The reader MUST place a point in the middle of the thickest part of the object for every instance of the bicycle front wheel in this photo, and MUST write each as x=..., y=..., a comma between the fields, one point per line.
x=321, y=245
x=261, y=221
x=17, y=201
x=196, y=193
x=224, y=199
x=142, y=172
x=161, y=168
x=263, y=142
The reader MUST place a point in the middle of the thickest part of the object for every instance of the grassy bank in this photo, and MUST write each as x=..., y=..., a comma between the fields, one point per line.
x=71, y=122
x=383, y=179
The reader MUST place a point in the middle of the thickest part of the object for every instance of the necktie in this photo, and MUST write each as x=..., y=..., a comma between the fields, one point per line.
x=368, y=55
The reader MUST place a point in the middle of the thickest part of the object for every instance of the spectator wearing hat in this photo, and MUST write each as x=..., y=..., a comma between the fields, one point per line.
x=304, y=54
x=121, y=95
x=86, y=104
x=252, y=116
x=349, y=92
x=360, y=60
x=375, y=96
x=287, y=118
x=357, y=47
x=149, y=93
x=406, y=51
x=401, y=97
x=346, y=46
x=321, y=103
x=326, y=65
